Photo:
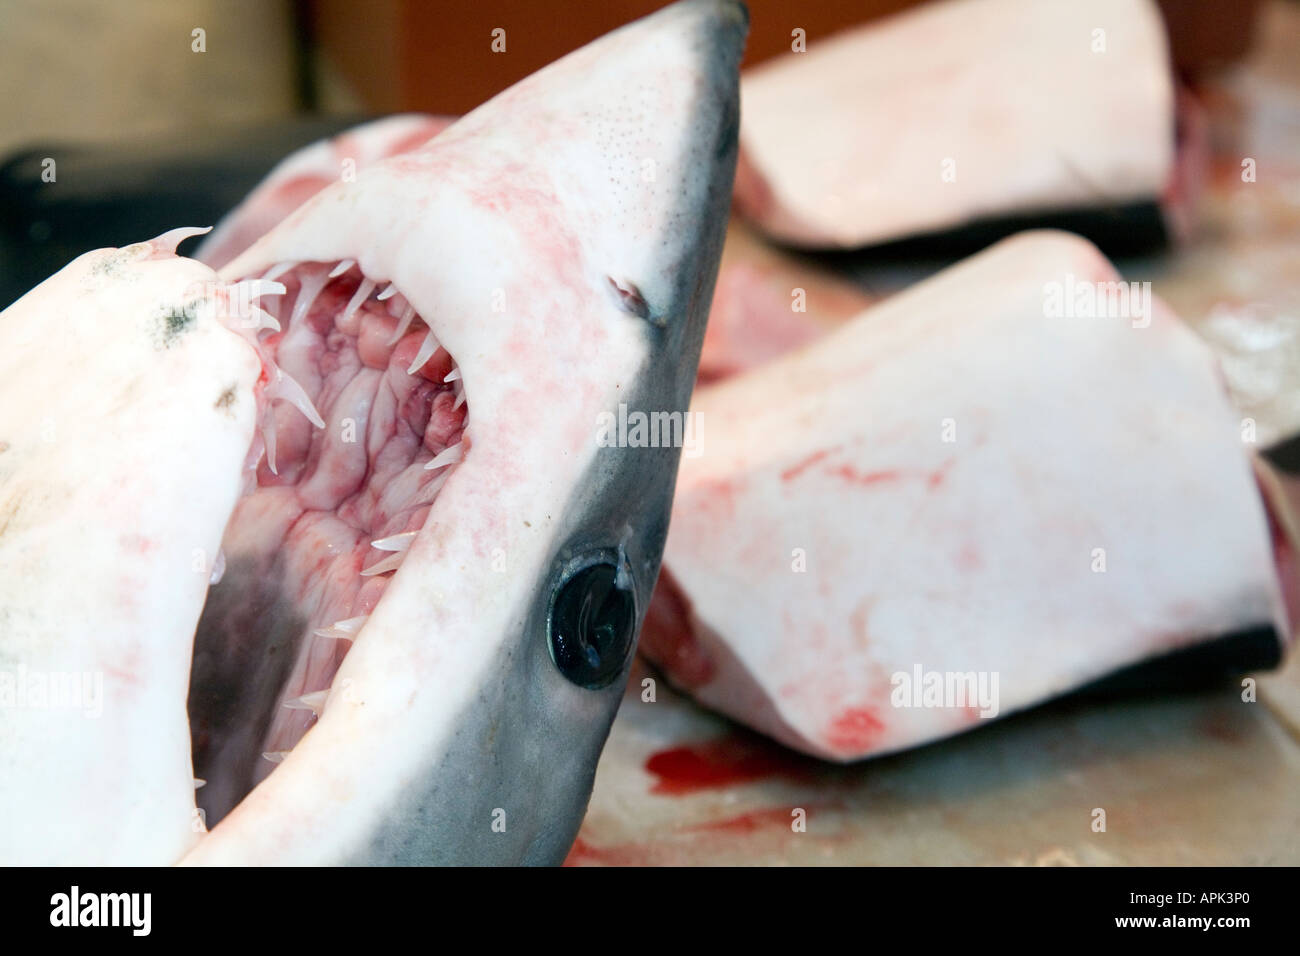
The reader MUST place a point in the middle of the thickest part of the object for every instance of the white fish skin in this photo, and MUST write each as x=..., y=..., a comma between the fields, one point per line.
x=970, y=551
x=127, y=408
x=958, y=110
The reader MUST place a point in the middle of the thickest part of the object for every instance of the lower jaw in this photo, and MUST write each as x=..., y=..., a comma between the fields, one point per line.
x=301, y=572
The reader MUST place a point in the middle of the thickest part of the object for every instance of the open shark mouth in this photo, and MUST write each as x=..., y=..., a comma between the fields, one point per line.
x=369, y=426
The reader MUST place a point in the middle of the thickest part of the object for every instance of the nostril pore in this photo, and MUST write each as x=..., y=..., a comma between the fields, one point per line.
x=629, y=298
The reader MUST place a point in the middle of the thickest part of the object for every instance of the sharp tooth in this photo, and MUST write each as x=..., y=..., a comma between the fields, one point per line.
x=286, y=388
x=343, y=629
x=430, y=491
x=460, y=399
x=276, y=756
x=267, y=321
x=448, y=456
x=241, y=302
x=453, y=375
x=427, y=348
x=395, y=542
x=310, y=288
x=390, y=563
x=397, y=305
x=342, y=267
x=276, y=271
x=268, y=438
x=403, y=324
x=315, y=702
x=388, y=292
x=169, y=240
x=362, y=293
x=199, y=782
x=218, y=568
x=256, y=288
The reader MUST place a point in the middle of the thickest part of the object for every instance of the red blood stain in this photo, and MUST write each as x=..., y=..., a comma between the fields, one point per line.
x=723, y=762
x=768, y=819
x=716, y=496
x=933, y=479
x=140, y=543
x=855, y=730
x=586, y=854
x=748, y=822
x=795, y=471
x=668, y=639
x=849, y=473
x=859, y=621
x=127, y=672
x=938, y=476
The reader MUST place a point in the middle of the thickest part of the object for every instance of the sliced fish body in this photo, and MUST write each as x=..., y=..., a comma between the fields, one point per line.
x=959, y=481
x=954, y=111
x=768, y=302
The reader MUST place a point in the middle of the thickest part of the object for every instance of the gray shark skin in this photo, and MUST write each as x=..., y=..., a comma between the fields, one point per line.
x=412, y=638
x=527, y=708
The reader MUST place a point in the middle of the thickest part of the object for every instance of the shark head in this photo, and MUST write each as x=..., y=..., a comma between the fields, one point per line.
x=432, y=569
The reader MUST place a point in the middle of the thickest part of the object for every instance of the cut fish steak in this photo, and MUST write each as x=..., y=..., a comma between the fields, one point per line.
x=963, y=483
x=954, y=111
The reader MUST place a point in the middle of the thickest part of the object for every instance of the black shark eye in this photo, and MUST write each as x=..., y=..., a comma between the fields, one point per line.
x=592, y=625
